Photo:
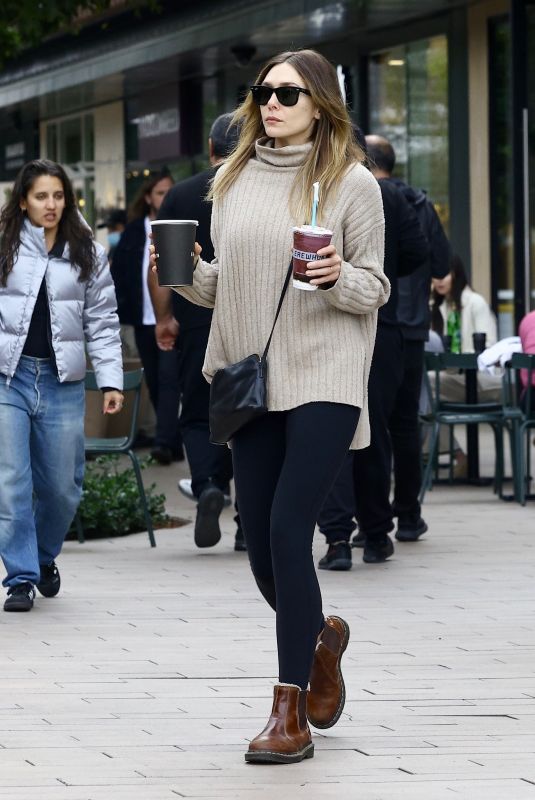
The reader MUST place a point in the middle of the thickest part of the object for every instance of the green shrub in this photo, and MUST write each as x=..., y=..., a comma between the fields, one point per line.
x=110, y=503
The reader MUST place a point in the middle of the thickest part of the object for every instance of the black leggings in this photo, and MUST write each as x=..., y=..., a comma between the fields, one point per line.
x=284, y=466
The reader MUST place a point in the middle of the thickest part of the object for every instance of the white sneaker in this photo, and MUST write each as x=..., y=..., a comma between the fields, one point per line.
x=184, y=486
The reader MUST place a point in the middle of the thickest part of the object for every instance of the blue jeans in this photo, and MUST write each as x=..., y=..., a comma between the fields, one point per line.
x=41, y=466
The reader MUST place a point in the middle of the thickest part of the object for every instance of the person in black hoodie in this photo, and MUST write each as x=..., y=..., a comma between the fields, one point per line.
x=414, y=319
x=210, y=464
x=362, y=488
x=129, y=271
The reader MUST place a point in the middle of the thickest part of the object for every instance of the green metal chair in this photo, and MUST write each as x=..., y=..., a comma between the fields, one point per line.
x=122, y=444
x=451, y=414
x=519, y=413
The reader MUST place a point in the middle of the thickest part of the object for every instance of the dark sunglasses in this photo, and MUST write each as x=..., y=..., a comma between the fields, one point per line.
x=286, y=95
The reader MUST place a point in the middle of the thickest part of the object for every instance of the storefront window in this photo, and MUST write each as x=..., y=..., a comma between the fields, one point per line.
x=409, y=106
x=71, y=142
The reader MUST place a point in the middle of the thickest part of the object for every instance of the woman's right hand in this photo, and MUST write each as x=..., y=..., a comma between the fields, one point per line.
x=153, y=258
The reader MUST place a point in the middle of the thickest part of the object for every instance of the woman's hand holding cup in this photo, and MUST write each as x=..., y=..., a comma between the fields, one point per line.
x=153, y=258
x=327, y=269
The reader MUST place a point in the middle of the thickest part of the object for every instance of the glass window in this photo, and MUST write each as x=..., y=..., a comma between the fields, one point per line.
x=71, y=142
x=409, y=106
x=70, y=138
x=52, y=142
x=88, y=139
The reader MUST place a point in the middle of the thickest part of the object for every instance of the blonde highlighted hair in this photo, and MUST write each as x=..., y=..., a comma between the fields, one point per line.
x=334, y=148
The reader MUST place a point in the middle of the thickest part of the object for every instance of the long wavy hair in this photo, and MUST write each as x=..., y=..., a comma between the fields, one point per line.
x=459, y=281
x=71, y=229
x=139, y=207
x=334, y=147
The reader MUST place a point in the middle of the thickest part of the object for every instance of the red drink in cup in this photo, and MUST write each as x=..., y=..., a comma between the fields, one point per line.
x=308, y=239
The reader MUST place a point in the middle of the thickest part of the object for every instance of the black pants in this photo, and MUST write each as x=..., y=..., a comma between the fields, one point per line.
x=405, y=435
x=284, y=465
x=209, y=463
x=161, y=375
x=336, y=518
x=370, y=469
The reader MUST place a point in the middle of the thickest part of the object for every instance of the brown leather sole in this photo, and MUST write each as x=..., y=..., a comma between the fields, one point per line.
x=270, y=757
x=334, y=719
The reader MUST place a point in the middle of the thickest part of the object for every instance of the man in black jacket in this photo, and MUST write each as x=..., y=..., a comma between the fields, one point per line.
x=363, y=486
x=210, y=465
x=129, y=270
x=413, y=317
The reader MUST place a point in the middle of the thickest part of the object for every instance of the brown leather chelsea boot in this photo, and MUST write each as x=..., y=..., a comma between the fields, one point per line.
x=327, y=694
x=286, y=738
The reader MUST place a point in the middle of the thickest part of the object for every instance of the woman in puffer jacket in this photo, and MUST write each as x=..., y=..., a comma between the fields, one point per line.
x=56, y=300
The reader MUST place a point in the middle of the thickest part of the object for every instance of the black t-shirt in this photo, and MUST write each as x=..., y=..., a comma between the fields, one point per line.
x=38, y=343
x=185, y=200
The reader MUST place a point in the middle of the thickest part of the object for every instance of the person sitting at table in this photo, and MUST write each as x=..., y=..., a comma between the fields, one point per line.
x=459, y=312
x=526, y=332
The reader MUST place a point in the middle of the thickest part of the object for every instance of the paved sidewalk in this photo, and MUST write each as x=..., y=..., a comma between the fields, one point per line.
x=148, y=674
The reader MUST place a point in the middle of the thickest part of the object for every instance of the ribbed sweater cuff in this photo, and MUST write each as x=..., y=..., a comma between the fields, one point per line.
x=357, y=291
x=203, y=290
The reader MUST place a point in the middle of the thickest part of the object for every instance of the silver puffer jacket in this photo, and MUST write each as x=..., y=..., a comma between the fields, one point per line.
x=82, y=314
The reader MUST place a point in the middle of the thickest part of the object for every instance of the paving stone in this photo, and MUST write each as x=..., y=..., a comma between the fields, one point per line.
x=150, y=672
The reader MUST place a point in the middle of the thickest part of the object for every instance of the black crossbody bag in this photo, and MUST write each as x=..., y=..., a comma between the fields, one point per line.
x=238, y=393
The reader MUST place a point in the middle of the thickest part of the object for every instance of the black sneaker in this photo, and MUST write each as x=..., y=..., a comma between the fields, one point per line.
x=377, y=549
x=162, y=454
x=50, y=580
x=358, y=540
x=410, y=531
x=20, y=597
x=209, y=507
x=239, y=542
x=338, y=557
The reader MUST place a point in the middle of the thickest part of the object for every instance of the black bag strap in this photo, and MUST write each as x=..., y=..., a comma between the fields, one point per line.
x=281, y=299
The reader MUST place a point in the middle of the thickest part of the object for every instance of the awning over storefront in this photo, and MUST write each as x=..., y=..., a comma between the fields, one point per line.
x=219, y=31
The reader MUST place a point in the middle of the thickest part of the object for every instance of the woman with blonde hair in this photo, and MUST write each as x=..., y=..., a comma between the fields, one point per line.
x=295, y=131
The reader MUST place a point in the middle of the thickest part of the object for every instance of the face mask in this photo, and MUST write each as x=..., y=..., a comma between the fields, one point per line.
x=113, y=238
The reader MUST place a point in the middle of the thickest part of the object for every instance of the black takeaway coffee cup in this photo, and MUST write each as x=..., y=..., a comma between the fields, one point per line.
x=174, y=241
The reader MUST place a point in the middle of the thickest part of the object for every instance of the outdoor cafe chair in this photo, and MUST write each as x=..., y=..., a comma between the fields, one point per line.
x=519, y=414
x=121, y=444
x=451, y=414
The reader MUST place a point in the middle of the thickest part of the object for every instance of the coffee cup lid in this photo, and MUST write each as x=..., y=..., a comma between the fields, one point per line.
x=175, y=222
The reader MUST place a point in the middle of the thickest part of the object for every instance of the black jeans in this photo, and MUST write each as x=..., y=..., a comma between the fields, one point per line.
x=284, y=466
x=405, y=434
x=209, y=463
x=161, y=376
x=370, y=469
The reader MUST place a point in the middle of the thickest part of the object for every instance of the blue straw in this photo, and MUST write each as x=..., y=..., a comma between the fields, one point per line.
x=316, y=187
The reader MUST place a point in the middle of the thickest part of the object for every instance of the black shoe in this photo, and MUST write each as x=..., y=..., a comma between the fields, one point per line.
x=209, y=507
x=410, y=531
x=184, y=487
x=377, y=549
x=20, y=597
x=338, y=557
x=358, y=540
x=239, y=542
x=50, y=580
x=163, y=455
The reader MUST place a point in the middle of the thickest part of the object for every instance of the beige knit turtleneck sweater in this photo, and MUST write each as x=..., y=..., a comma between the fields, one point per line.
x=323, y=342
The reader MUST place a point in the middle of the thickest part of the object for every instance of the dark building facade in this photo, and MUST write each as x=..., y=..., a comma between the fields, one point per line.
x=450, y=82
